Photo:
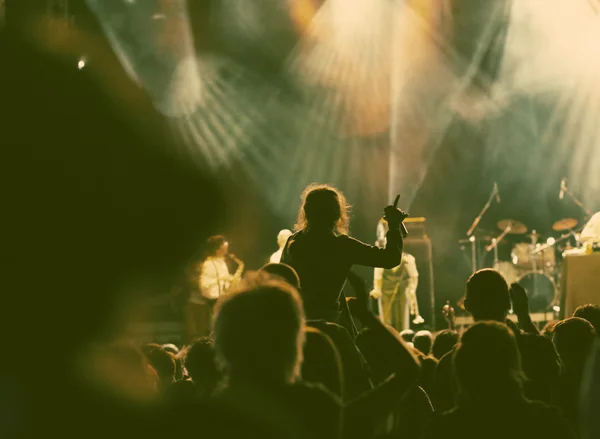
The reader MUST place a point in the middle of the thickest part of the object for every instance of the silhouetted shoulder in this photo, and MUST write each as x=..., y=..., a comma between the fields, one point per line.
x=321, y=408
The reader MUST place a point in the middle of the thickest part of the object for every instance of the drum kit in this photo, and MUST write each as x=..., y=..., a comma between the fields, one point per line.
x=533, y=262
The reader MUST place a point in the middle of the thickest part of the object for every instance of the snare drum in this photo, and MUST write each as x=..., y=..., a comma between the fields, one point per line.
x=541, y=290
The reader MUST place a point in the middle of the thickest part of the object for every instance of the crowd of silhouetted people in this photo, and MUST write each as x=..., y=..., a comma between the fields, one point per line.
x=98, y=213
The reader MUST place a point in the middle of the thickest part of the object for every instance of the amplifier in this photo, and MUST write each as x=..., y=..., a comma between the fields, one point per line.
x=416, y=228
x=579, y=281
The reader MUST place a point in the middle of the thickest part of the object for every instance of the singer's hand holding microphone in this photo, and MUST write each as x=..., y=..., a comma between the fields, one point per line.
x=395, y=217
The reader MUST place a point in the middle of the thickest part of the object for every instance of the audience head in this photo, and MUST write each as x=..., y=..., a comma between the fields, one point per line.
x=443, y=343
x=170, y=347
x=422, y=342
x=259, y=331
x=591, y=313
x=162, y=361
x=284, y=272
x=487, y=363
x=200, y=363
x=282, y=237
x=487, y=296
x=407, y=335
x=324, y=208
x=574, y=338
x=322, y=363
x=217, y=246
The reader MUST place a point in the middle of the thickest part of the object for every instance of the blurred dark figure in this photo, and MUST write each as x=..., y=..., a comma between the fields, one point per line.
x=443, y=343
x=423, y=341
x=591, y=313
x=162, y=362
x=259, y=334
x=590, y=396
x=322, y=253
x=491, y=404
x=283, y=271
x=96, y=213
x=322, y=363
x=574, y=338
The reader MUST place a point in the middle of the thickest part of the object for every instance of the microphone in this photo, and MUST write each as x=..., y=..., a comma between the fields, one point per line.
x=497, y=192
x=403, y=230
x=563, y=188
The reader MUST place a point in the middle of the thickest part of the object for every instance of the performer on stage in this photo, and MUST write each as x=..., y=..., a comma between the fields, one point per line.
x=591, y=232
x=282, y=238
x=396, y=289
x=214, y=280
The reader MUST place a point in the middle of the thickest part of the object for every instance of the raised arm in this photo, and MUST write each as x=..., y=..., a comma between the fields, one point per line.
x=369, y=408
x=388, y=257
x=520, y=303
x=371, y=256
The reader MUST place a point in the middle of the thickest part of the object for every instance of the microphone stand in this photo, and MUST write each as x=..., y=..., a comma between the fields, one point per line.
x=577, y=201
x=471, y=230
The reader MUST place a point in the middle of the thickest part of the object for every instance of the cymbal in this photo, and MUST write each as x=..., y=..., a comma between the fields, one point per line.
x=516, y=227
x=565, y=224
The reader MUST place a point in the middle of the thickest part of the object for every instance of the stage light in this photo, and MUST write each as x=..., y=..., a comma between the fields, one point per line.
x=81, y=64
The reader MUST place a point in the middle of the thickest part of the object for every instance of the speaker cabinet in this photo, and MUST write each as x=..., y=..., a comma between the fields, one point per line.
x=579, y=283
x=421, y=249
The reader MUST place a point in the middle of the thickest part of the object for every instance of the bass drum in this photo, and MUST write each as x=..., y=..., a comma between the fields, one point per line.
x=541, y=290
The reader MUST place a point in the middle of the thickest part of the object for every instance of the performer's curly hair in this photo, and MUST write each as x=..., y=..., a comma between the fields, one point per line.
x=323, y=207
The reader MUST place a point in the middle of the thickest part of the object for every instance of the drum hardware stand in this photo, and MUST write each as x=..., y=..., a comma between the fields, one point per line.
x=476, y=222
x=494, y=244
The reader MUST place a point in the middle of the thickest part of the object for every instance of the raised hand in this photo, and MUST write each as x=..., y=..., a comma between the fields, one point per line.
x=393, y=215
x=520, y=301
x=448, y=312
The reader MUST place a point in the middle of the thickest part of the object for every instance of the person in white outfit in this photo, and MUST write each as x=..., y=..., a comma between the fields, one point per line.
x=213, y=280
x=591, y=231
x=396, y=288
x=282, y=238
